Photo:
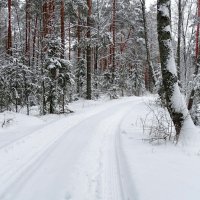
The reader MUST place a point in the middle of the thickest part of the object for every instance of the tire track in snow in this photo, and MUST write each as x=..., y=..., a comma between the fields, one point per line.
x=28, y=169
x=114, y=169
x=127, y=184
x=116, y=181
x=14, y=159
x=24, y=137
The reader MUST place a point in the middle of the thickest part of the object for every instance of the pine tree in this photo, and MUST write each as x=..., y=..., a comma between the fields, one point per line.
x=9, y=37
x=88, y=51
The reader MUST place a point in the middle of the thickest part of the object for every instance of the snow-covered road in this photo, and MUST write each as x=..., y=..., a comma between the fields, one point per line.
x=78, y=157
x=96, y=153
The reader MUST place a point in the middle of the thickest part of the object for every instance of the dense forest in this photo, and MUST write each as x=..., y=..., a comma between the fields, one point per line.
x=56, y=51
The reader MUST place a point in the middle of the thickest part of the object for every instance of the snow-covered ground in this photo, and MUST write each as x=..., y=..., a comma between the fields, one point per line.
x=96, y=153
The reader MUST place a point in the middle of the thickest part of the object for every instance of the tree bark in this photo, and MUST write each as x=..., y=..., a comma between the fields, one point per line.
x=69, y=33
x=9, y=40
x=174, y=101
x=178, y=56
x=28, y=32
x=34, y=38
x=192, y=94
x=151, y=75
x=88, y=51
x=78, y=52
x=45, y=18
x=62, y=28
x=114, y=39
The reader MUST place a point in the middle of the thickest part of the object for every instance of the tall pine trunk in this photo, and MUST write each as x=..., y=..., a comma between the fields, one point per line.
x=69, y=36
x=114, y=39
x=62, y=55
x=78, y=52
x=28, y=32
x=9, y=39
x=151, y=75
x=34, y=40
x=62, y=28
x=88, y=51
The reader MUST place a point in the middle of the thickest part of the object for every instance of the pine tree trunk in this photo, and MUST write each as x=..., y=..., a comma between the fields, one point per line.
x=51, y=16
x=45, y=18
x=62, y=27
x=69, y=33
x=28, y=31
x=88, y=51
x=151, y=75
x=78, y=52
x=114, y=40
x=96, y=55
x=34, y=39
x=174, y=101
x=9, y=40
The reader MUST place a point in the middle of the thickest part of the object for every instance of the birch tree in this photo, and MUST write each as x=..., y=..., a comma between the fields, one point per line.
x=174, y=101
x=196, y=71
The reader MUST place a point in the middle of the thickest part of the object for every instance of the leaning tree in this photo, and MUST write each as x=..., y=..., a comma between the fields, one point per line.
x=174, y=101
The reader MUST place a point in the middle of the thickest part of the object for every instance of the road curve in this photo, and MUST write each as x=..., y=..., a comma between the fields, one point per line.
x=81, y=161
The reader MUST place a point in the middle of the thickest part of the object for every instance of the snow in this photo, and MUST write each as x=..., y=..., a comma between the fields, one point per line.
x=171, y=65
x=168, y=28
x=149, y=3
x=178, y=101
x=51, y=66
x=96, y=153
x=15, y=125
x=164, y=9
x=161, y=171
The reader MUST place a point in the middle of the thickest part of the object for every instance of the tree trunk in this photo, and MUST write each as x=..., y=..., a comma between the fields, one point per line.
x=9, y=40
x=28, y=32
x=45, y=18
x=114, y=39
x=192, y=94
x=51, y=16
x=151, y=75
x=78, y=52
x=88, y=57
x=96, y=56
x=62, y=28
x=34, y=39
x=174, y=101
x=178, y=55
x=69, y=33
